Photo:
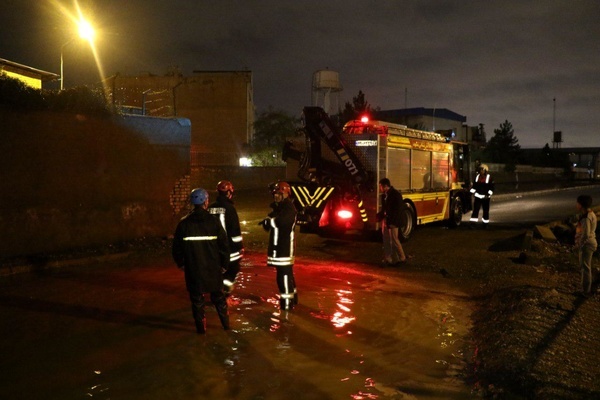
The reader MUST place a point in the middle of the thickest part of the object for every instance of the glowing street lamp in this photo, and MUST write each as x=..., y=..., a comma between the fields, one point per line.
x=86, y=32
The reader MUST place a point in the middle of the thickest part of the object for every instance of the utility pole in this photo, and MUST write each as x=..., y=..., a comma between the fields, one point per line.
x=556, y=135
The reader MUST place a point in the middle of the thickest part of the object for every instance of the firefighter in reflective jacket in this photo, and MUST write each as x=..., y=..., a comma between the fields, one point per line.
x=200, y=249
x=280, y=225
x=225, y=211
x=482, y=189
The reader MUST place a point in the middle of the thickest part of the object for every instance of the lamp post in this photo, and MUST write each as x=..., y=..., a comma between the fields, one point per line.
x=85, y=32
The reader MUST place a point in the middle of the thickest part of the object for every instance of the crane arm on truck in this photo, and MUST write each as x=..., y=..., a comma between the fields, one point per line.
x=319, y=127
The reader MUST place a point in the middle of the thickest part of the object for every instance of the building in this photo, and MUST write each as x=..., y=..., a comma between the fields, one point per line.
x=30, y=76
x=219, y=105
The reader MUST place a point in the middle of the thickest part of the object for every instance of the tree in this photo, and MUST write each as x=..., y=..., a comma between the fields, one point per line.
x=353, y=110
x=503, y=147
x=271, y=129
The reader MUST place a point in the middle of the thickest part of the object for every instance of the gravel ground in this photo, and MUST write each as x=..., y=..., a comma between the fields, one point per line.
x=534, y=337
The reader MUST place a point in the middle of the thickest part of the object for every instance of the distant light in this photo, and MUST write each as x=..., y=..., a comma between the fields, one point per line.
x=364, y=119
x=86, y=31
x=245, y=162
x=344, y=214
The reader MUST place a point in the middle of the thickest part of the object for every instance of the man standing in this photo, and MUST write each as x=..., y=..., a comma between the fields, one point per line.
x=482, y=189
x=391, y=219
x=225, y=211
x=200, y=249
x=585, y=241
x=280, y=223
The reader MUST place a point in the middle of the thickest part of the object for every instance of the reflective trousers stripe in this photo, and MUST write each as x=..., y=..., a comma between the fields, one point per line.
x=236, y=239
x=228, y=283
x=282, y=261
x=200, y=238
x=235, y=256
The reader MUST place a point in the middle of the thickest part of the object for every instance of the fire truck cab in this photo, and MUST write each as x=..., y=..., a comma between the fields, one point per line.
x=339, y=174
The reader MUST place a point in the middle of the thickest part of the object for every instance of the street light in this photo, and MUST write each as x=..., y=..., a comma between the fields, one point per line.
x=85, y=32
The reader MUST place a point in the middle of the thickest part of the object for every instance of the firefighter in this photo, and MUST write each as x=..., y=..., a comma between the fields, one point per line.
x=225, y=211
x=482, y=189
x=280, y=224
x=200, y=249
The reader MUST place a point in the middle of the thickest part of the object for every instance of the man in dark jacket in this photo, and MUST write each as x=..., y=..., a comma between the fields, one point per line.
x=200, y=249
x=280, y=254
x=225, y=211
x=391, y=218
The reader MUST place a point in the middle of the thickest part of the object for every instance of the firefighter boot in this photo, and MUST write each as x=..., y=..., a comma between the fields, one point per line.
x=201, y=326
x=223, y=314
x=198, y=312
x=228, y=287
x=286, y=302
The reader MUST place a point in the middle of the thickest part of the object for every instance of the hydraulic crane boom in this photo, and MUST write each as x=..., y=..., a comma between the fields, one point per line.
x=319, y=127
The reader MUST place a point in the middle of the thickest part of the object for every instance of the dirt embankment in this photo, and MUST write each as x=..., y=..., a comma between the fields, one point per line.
x=534, y=337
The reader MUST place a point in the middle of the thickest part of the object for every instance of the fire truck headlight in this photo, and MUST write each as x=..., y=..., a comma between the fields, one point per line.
x=344, y=214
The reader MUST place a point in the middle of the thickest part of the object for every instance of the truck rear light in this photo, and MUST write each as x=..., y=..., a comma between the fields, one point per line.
x=344, y=214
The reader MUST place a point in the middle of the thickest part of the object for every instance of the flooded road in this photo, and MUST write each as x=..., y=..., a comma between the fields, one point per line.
x=123, y=330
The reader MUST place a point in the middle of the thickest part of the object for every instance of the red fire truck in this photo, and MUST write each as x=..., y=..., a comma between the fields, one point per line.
x=339, y=174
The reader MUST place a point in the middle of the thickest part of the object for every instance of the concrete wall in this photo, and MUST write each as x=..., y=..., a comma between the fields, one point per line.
x=241, y=177
x=71, y=180
x=526, y=177
x=174, y=133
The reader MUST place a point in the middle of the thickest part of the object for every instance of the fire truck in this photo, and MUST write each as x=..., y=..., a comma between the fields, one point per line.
x=334, y=174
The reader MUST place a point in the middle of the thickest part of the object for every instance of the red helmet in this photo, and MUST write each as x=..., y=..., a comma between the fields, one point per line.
x=282, y=187
x=225, y=186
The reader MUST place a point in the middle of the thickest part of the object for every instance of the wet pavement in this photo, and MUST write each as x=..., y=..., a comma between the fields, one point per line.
x=120, y=326
x=122, y=329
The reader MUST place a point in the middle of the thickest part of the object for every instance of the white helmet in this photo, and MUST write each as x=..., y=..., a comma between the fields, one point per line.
x=484, y=167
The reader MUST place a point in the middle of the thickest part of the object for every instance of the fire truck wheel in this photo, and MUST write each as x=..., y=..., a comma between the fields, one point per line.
x=456, y=212
x=409, y=221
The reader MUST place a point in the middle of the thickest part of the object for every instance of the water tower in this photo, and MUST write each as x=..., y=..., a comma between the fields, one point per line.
x=325, y=89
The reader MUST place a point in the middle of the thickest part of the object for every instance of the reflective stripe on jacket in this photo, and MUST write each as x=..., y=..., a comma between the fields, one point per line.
x=281, y=236
x=225, y=211
x=482, y=187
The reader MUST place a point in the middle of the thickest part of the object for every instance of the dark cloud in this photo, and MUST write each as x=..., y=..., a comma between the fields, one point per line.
x=489, y=60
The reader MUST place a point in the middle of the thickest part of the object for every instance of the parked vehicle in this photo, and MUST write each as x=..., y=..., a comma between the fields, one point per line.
x=339, y=174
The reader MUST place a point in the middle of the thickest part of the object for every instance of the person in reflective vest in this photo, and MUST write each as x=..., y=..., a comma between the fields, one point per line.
x=482, y=189
x=224, y=209
x=280, y=224
x=200, y=249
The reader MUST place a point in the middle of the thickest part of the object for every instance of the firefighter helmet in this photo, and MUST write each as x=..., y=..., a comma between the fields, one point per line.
x=281, y=187
x=484, y=167
x=225, y=186
x=198, y=196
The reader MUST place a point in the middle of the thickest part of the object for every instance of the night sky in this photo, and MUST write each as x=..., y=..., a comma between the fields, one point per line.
x=488, y=60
